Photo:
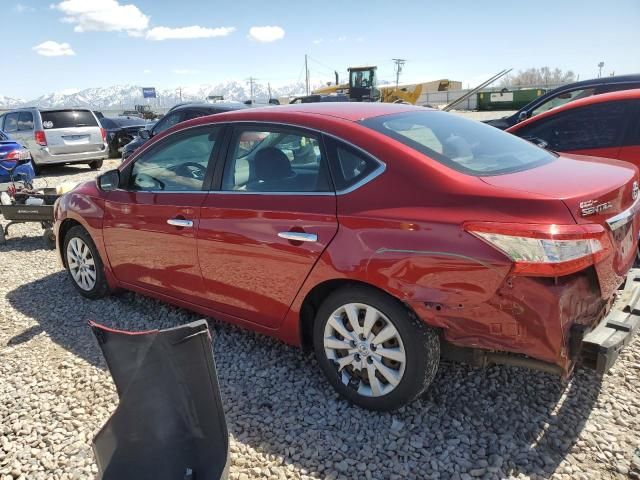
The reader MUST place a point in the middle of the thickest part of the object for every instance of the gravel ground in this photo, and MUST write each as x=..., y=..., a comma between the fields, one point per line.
x=285, y=420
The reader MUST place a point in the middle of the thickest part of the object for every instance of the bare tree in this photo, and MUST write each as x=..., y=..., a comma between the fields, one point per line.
x=538, y=76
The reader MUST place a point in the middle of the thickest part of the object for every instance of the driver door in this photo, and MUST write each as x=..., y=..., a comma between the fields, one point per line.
x=151, y=221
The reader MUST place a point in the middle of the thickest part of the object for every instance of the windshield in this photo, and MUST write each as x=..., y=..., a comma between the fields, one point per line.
x=465, y=145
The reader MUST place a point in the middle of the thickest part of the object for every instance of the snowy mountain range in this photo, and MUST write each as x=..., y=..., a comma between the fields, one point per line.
x=125, y=96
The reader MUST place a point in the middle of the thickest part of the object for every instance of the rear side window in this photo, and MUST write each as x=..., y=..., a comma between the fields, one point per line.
x=11, y=122
x=593, y=126
x=25, y=121
x=68, y=119
x=276, y=161
x=465, y=145
x=351, y=166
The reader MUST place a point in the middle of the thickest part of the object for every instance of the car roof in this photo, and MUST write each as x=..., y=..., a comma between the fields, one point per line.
x=211, y=106
x=602, y=81
x=351, y=111
x=619, y=95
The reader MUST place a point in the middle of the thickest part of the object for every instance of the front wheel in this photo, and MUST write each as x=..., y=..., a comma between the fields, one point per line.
x=373, y=350
x=84, y=264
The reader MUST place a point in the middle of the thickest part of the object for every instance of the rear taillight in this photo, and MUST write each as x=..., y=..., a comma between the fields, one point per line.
x=40, y=138
x=104, y=134
x=544, y=250
x=15, y=155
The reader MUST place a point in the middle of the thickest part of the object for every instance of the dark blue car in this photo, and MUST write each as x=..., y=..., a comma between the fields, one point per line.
x=13, y=155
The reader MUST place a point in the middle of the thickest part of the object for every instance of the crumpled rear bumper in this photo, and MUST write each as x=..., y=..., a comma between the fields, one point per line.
x=602, y=345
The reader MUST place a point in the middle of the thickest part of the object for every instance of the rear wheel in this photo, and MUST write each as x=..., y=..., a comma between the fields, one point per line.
x=95, y=165
x=373, y=350
x=84, y=264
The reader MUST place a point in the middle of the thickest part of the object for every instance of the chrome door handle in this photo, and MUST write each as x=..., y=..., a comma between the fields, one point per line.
x=180, y=222
x=299, y=236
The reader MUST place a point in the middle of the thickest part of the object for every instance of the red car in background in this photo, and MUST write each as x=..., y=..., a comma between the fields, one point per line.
x=606, y=125
x=382, y=236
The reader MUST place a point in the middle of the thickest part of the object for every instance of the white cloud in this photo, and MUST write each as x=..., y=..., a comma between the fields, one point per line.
x=53, y=49
x=20, y=8
x=342, y=38
x=266, y=33
x=184, y=71
x=166, y=33
x=103, y=15
x=146, y=71
x=318, y=41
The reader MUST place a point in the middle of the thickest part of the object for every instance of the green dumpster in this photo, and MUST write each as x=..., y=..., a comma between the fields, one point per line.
x=508, y=99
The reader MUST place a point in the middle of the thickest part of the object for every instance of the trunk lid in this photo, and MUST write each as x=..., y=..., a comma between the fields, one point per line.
x=71, y=131
x=594, y=190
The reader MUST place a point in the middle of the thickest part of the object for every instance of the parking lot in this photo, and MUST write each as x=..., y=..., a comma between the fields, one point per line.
x=284, y=419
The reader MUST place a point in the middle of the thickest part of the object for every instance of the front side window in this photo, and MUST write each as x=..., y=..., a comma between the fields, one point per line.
x=592, y=126
x=275, y=161
x=562, y=98
x=465, y=145
x=11, y=122
x=176, y=165
x=25, y=121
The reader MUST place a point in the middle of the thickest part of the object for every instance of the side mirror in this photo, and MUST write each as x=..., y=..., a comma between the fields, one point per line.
x=109, y=181
x=538, y=141
x=144, y=134
x=522, y=116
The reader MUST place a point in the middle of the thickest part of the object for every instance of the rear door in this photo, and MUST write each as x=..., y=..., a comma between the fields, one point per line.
x=271, y=214
x=151, y=221
x=71, y=131
x=596, y=129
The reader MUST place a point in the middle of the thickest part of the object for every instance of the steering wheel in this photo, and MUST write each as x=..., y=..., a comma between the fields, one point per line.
x=192, y=170
x=144, y=182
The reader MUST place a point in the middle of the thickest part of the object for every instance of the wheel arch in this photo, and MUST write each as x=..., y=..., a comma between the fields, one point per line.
x=319, y=293
x=66, y=225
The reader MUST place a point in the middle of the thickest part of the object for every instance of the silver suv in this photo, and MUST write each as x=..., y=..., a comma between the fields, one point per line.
x=57, y=136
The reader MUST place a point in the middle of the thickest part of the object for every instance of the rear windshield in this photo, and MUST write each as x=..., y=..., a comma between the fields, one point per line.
x=68, y=119
x=465, y=145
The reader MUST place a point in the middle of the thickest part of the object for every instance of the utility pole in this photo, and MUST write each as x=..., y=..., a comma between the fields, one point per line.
x=306, y=71
x=251, y=81
x=269, y=87
x=180, y=93
x=600, y=65
x=399, y=64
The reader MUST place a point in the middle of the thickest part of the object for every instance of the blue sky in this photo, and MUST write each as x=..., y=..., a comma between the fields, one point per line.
x=107, y=42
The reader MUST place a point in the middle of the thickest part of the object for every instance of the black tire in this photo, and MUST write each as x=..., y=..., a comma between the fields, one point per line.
x=101, y=288
x=421, y=348
x=96, y=165
x=49, y=239
x=3, y=237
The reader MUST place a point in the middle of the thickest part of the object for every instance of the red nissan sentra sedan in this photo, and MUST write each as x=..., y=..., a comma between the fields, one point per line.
x=383, y=236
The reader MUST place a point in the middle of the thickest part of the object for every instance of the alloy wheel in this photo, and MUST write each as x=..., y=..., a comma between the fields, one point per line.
x=81, y=264
x=366, y=349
